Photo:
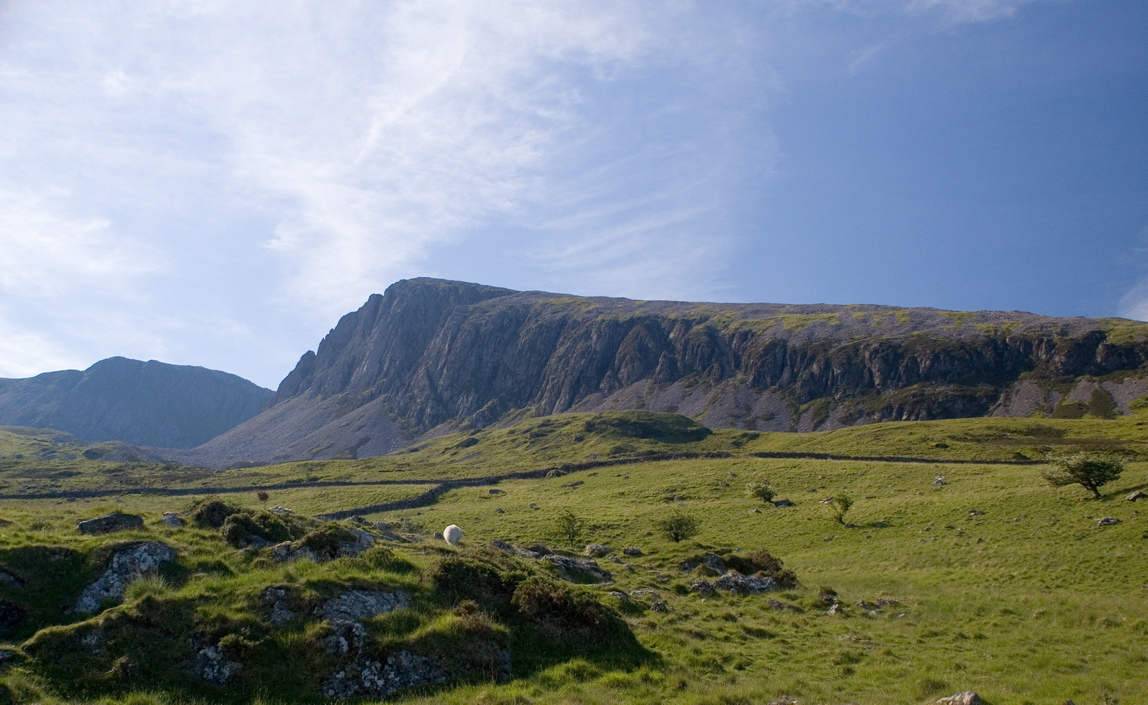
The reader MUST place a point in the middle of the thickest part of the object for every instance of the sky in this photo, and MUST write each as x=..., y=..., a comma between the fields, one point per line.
x=216, y=182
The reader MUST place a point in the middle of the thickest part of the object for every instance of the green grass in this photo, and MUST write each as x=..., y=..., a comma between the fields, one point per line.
x=1025, y=599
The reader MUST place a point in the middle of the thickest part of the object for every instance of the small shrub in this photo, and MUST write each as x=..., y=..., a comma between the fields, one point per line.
x=679, y=527
x=326, y=539
x=760, y=489
x=242, y=529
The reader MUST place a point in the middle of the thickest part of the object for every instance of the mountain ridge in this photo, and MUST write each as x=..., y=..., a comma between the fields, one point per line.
x=432, y=355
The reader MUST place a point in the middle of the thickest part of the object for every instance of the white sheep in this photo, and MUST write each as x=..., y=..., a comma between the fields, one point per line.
x=452, y=535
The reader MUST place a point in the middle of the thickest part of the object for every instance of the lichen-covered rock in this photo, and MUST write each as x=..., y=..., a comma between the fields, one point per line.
x=361, y=604
x=745, y=584
x=172, y=519
x=287, y=552
x=364, y=676
x=344, y=638
x=632, y=551
x=1108, y=521
x=363, y=541
x=126, y=565
x=277, y=599
x=703, y=586
x=579, y=570
x=213, y=666
x=116, y=521
x=597, y=550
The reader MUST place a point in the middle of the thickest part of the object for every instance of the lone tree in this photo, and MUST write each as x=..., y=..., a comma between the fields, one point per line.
x=840, y=504
x=570, y=527
x=760, y=489
x=678, y=527
x=1088, y=470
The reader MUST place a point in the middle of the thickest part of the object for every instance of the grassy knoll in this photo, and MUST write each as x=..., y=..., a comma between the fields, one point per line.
x=989, y=580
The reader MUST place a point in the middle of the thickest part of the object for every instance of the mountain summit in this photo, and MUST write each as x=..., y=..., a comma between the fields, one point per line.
x=431, y=354
x=142, y=403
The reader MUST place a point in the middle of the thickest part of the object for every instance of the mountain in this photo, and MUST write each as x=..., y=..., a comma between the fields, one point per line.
x=431, y=355
x=141, y=403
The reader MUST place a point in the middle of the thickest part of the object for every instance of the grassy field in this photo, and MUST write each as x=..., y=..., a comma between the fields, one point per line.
x=989, y=580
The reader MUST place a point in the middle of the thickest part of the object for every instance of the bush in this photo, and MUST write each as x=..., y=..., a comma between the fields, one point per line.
x=679, y=527
x=210, y=514
x=563, y=611
x=1088, y=470
x=840, y=505
x=760, y=490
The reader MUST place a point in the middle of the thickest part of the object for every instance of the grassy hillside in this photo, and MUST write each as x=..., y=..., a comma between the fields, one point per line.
x=990, y=580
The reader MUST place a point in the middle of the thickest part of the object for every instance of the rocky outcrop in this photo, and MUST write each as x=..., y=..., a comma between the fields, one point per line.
x=430, y=353
x=141, y=403
x=116, y=521
x=126, y=565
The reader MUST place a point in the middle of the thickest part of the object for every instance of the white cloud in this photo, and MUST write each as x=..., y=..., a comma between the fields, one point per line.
x=49, y=255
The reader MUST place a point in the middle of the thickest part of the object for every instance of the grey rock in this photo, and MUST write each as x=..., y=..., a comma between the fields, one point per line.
x=703, y=586
x=1135, y=496
x=126, y=565
x=172, y=519
x=660, y=606
x=503, y=546
x=745, y=584
x=966, y=698
x=363, y=541
x=496, y=491
x=1108, y=521
x=632, y=551
x=975, y=512
x=277, y=600
x=344, y=638
x=576, y=570
x=287, y=552
x=116, y=521
x=364, y=676
x=783, y=503
x=212, y=666
x=361, y=604
x=597, y=550
x=282, y=511
x=620, y=596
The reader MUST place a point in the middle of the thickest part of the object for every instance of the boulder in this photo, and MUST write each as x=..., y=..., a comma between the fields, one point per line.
x=966, y=698
x=1136, y=496
x=597, y=550
x=213, y=666
x=703, y=586
x=117, y=521
x=452, y=535
x=579, y=570
x=745, y=584
x=631, y=551
x=287, y=552
x=361, y=604
x=126, y=565
x=344, y=638
x=277, y=600
x=172, y=519
x=1108, y=521
x=364, y=676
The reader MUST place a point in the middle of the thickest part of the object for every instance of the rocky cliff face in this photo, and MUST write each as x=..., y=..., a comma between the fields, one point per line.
x=142, y=403
x=431, y=352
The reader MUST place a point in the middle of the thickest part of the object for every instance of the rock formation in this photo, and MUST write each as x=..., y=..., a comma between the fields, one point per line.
x=431, y=355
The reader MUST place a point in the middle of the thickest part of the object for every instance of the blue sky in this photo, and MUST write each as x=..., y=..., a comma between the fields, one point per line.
x=215, y=182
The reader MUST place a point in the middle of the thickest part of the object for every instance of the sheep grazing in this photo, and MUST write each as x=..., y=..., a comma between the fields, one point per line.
x=452, y=535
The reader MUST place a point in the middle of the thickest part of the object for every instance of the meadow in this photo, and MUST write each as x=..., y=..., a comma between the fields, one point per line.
x=957, y=567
